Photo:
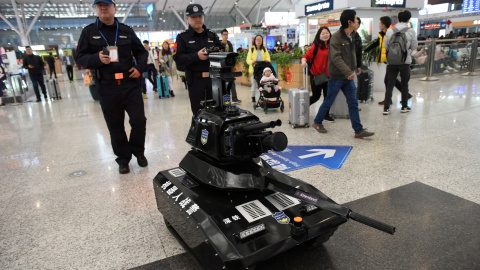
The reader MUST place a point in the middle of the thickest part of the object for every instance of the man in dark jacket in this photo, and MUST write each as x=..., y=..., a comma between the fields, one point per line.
x=229, y=48
x=51, y=65
x=35, y=66
x=341, y=68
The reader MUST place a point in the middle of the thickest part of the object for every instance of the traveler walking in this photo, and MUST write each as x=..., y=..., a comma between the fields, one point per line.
x=317, y=55
x=35, y=66
x=70, y=63
x=341, y=68
x=399, y=40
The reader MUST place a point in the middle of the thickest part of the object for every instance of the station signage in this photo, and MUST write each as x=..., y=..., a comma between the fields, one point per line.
x=318, y=7
x=389, y=3
x=471, y=6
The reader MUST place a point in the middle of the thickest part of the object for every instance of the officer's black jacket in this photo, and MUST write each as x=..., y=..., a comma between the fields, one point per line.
x=91, y=43
x=189, y=43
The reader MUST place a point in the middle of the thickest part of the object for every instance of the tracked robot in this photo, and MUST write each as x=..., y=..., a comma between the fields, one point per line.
x=230, y=207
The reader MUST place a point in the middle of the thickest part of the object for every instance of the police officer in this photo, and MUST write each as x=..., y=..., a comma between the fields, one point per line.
x=191, y=55
x=106, y=47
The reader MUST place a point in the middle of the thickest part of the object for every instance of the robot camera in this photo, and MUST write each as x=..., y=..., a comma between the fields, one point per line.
x=223, y=59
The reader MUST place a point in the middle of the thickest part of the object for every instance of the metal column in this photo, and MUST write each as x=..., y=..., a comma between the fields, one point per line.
x=473, y=59
x=431, y=61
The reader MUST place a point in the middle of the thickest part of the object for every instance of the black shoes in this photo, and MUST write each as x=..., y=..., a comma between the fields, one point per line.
x=253, y=99
x=172, y=94
x=405, y=109
x=3, y=104
x=123, y=168
x=236, y=101
x=328, y=118
x=142, y=161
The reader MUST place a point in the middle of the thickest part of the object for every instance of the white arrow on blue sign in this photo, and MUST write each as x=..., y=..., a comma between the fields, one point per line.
x=301, y=156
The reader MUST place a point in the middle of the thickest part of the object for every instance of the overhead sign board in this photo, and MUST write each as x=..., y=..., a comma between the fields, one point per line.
x=321, y=6
x=471, y=6
x=389, y=3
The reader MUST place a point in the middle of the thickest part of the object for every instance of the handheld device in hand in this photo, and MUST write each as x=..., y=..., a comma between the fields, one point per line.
x=106, y=51
x=212, y=50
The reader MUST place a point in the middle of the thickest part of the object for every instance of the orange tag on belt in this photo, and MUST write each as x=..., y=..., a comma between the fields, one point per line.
x=118, y=76
x=205, y=74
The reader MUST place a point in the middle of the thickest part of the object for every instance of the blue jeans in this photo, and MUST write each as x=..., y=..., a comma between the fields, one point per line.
x=36, y=80
x=350, y=91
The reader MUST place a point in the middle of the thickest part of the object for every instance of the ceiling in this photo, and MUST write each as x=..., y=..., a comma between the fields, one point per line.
x=81, y=9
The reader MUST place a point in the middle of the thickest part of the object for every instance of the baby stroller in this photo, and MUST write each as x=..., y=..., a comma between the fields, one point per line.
x=266, y=99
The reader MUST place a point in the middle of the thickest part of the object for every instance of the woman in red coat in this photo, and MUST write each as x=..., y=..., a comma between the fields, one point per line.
x=317, y=54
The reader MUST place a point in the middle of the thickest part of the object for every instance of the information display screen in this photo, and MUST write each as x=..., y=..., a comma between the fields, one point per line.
x=389, y=3
x=471, y=6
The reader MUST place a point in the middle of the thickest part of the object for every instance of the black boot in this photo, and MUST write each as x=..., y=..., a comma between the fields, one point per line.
x=171, y=93
x=253, y=99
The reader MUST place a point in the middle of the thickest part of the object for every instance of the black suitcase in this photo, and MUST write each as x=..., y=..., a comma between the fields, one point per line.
x=94, y=91
x=365, y=86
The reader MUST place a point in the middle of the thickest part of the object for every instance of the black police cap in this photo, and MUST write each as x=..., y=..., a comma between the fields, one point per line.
x=194, y=9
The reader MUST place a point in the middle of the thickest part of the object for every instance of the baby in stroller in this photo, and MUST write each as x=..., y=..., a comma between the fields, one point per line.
x=268, y=82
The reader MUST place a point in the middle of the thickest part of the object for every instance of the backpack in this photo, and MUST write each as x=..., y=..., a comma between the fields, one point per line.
x=397, y=48
x=310, y=63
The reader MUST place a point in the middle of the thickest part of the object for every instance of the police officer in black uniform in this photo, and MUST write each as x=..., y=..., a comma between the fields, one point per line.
x=106, y=47
x=191, y=55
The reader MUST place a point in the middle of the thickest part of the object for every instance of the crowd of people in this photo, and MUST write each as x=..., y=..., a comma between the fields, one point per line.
x=451, y=35
x=333, y=60
x=338, y=56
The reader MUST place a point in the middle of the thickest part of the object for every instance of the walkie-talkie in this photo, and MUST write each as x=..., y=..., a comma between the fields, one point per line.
x=106, y=51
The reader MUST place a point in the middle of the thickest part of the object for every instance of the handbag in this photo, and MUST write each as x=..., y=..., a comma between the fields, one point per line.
x=86, y=80
x=321, y=78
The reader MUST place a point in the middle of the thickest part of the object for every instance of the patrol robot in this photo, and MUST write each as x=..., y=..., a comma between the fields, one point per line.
x=230, y=207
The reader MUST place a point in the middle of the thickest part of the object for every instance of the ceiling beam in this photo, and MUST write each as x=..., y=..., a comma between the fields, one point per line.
x=258, y=12
x=234, y=4
x=128, y=12
x=179, y=17
x=35, y=18
x=211, y=7
x=9, y=24
x=241, y=14
x=165, y=5
x=275, y=4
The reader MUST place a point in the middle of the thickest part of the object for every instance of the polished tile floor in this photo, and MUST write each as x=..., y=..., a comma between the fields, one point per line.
x=50, y=218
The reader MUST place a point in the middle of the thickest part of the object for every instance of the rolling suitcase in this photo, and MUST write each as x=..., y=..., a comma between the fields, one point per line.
x=162, y=86
x=339, y=107
x=299, y=105
x=365, y=86
x=53, y=89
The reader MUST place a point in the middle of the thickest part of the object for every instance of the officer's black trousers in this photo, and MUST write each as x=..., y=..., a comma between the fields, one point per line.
x=115, y=100
x=196, y=91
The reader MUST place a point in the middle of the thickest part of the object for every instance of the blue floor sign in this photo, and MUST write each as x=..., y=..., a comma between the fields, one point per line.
x=301, y=156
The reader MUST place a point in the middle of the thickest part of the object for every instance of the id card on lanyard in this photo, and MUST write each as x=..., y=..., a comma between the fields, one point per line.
x=113, y=50
x=113, y=53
